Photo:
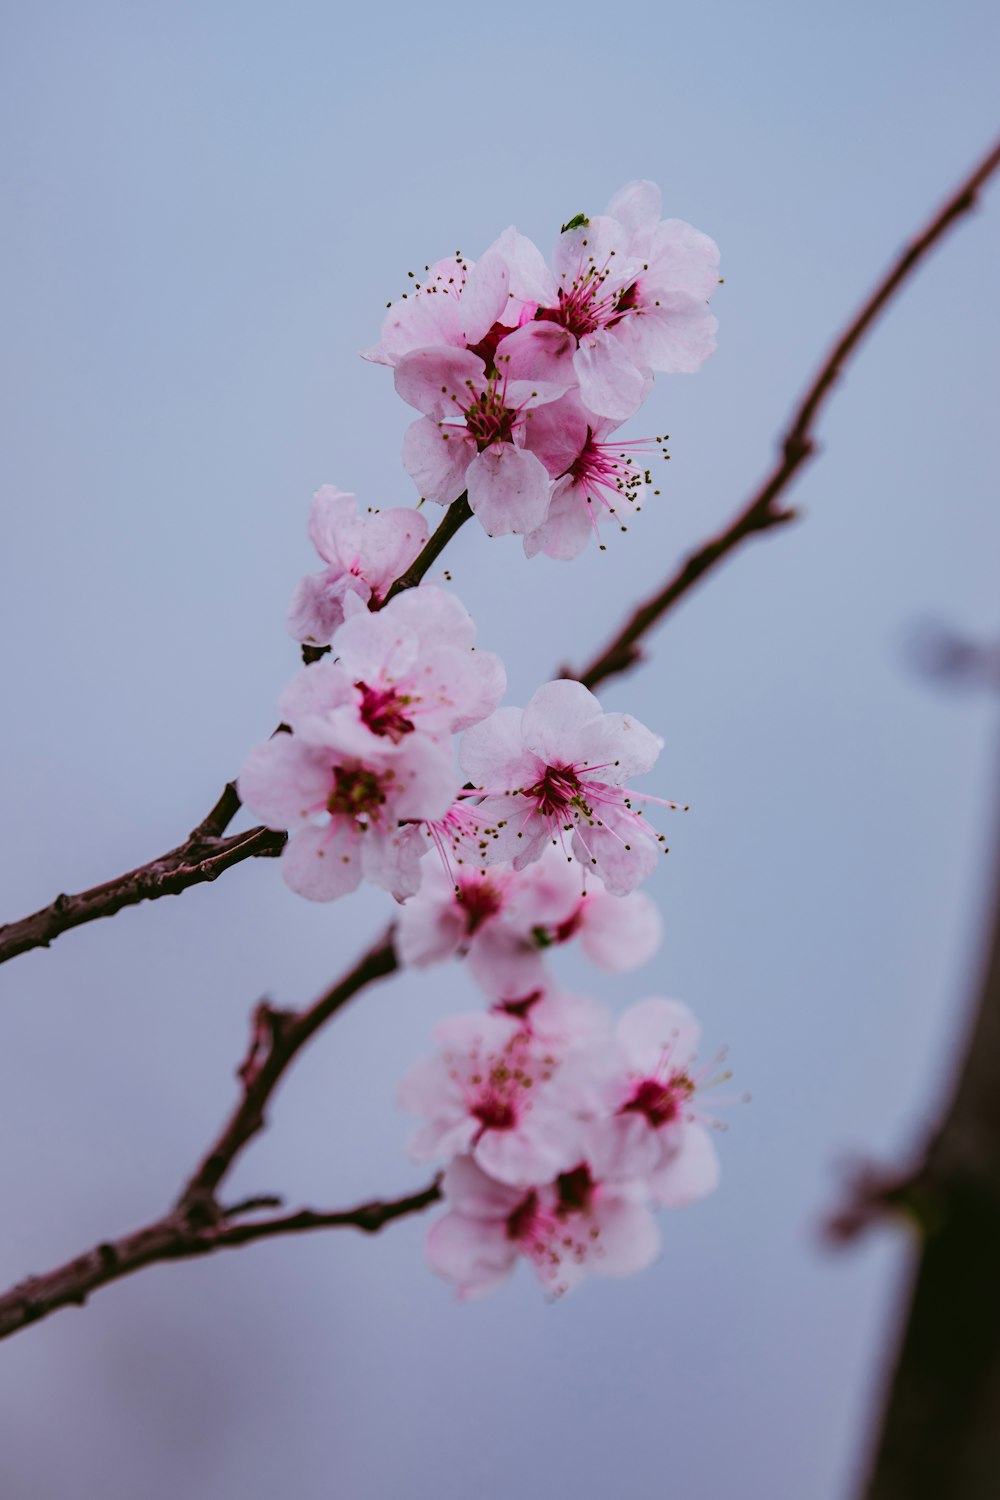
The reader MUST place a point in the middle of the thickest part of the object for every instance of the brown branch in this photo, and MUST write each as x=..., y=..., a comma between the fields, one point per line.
x=796, y=446
x=200, y=858
x=198, y=1224
x=940, y=1428
x=177, y=1238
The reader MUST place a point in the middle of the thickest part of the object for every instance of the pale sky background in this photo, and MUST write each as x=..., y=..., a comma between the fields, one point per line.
x=207, y=207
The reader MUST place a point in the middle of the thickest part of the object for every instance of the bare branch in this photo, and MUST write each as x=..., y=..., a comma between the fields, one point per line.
x=177, y=1238
x=198, y=1224
x=796, y=445
x=200, y=858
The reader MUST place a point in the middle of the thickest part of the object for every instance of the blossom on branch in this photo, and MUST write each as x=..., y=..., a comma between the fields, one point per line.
x=364, y=555
x=502, y=921
x=558, y=768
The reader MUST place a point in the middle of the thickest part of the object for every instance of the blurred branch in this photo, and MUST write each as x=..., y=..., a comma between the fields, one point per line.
x=940, y=1428
x=198, y=1223
x=760, y=513
x=796, y=445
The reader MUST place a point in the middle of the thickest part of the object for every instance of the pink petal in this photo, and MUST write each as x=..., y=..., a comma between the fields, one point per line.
x=557, y=432
x=484, y=297
x=439, y=382
x=598, y=243
x=619, y=933
x=392, y=540
x=692, y=1172
x=675, y=336
x=323, y=863
x=567, y=528
x=683, y=259
x=467, y=1187
x=539, y=352
x=556, y=718
x=283, y=781
x=611, y=384
x=317, y=605
x=493, y=754
x=628, y=1239
x=658, y=1032
x=335, y=526
x=436, y=456
x=311, y=695
x=637, y=206
x=391, y=858
x=508, y=489
x=476, y=1255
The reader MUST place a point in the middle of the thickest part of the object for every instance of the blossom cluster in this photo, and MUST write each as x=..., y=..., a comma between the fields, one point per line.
x=523, y=371
x=505, y=833
x=562, y=1134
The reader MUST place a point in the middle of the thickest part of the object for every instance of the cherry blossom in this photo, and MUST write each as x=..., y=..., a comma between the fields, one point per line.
x=458, y=305
x=472, y=435
x=411, y=669
x=574, y=1227
x=631, y=288
x=365, y=555
x=494, y=1091
x=343, y=812
x=595, y=479
x=650, y=1126
x=559, y=767
x=503, y=920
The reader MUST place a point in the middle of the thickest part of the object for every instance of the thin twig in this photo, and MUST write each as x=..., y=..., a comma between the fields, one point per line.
x=200, y=858
x=176, y=1238
x=198, y=1223
x=796, y=445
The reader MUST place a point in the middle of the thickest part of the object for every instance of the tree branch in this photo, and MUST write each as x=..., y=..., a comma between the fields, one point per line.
x=200, y=858
x=198, y=1224
x=940, y=1429
x=176, y=1238
x=796, y=445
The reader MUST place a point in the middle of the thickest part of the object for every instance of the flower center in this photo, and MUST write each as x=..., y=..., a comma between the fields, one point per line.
x=558, y=788
x=494, y=1113
x=521, y=1222
x=660, y=1102
x=382, y=709
x=479, y=901
x=488, y=419
x=575, y=1189
x=486, y=349
x=357, y=791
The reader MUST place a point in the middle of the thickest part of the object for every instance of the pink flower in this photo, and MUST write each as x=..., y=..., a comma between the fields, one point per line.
x=343, y=812
x=594, y=479
x=456, y=306
x=365, y=553
x=559, y=767
x=632, y=291
x=409, y=670
x=502, y=920
x=650, y=1126
x=493, y=1091
x=472, y=436
x=574, y=1227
